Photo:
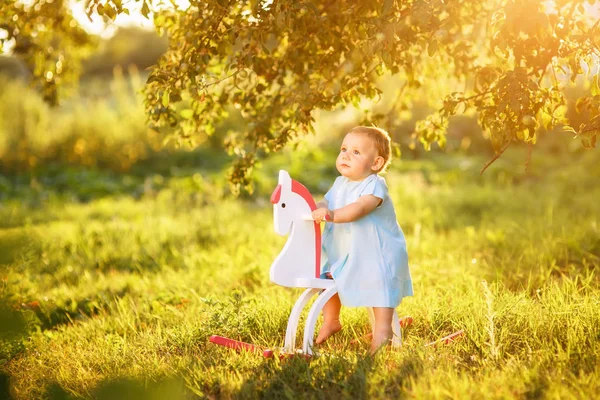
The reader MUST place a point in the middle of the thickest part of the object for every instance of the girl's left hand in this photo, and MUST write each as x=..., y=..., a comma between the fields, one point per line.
x=322, y=214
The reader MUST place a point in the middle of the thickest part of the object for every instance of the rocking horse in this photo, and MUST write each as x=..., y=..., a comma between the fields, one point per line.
x=298, y=265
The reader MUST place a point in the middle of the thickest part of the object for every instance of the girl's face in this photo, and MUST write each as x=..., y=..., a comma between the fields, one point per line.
x=358, y=157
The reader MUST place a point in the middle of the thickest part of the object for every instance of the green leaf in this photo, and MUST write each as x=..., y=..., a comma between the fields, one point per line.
x=585, y=142
x=153, y=78
x=110, y=12
x=580, y=104
x=187, y=113
x=145, y=9
x=165, y=98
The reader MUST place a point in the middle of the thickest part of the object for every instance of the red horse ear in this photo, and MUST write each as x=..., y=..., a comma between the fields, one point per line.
x=276, y=195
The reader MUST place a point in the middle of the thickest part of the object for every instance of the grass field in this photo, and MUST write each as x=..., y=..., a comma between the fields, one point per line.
x=111, y=285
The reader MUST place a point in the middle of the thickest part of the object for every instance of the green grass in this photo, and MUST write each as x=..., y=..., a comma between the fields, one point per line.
x=111, y=285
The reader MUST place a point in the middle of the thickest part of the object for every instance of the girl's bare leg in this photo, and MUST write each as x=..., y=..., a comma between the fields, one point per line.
x=383, y=333
x=331, y=319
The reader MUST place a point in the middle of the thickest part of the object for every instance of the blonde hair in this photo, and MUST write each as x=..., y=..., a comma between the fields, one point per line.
x=382, y=140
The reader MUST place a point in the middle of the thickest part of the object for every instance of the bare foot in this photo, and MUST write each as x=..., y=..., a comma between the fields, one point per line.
x=381, y=339
x=328, y=329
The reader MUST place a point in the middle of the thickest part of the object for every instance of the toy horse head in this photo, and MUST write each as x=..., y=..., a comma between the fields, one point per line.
x=301, y=255
x=290, y=200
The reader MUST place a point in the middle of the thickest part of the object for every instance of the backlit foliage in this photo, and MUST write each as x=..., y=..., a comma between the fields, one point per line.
x=50, y=41
x=276, y=62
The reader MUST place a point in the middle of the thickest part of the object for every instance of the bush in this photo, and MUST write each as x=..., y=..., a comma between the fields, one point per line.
x=107, y=133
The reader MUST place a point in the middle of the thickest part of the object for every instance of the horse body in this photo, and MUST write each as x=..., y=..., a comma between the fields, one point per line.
x=300, y=259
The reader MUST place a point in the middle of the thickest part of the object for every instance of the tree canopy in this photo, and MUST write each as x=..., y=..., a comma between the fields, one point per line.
x=278, y=61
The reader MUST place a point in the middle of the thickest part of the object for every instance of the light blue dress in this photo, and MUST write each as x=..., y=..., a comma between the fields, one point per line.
x=367, y=257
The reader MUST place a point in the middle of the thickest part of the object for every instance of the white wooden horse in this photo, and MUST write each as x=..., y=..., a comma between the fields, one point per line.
x=299, y=263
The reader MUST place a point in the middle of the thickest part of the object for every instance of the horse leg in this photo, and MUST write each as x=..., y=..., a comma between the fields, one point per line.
x=292, y=326
x=397, y=338
x=313, y=314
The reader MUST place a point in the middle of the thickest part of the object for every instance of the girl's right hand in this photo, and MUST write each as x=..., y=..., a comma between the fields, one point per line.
x=322, y=214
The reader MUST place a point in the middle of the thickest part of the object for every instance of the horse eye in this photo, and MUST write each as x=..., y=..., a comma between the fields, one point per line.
x=282, y=205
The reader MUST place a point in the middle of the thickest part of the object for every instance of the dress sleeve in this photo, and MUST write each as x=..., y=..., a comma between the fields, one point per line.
x=377, y=187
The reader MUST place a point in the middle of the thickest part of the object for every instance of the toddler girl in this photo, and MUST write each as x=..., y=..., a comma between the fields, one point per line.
x=364, y=247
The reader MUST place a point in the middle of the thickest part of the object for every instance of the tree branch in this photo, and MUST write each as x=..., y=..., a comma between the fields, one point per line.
x=542, y=76
x=219, y=80
x=529, y=149
x=495, y=158
x=478, y=94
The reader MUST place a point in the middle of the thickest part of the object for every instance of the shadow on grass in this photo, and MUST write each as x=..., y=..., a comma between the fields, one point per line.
x=5, y=386
x=325, y=377
x=330, y=376
x=19, y=320
x=138, y=389
x=50, y=315
x=126, y=389
x=13, y=327
x=409, y=369
x=56, y=392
